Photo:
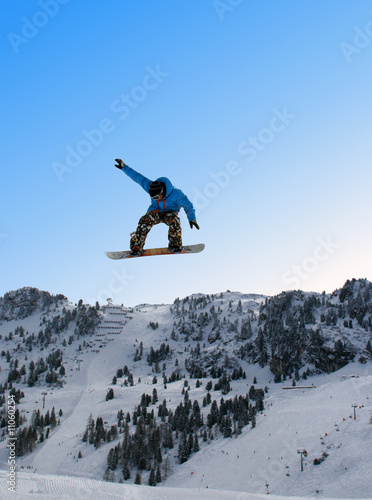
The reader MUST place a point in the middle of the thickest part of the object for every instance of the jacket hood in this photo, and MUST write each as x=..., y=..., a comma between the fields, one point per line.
x=168, y=185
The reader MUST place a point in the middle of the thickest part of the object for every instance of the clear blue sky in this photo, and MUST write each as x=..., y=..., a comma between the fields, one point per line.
x=259, y=111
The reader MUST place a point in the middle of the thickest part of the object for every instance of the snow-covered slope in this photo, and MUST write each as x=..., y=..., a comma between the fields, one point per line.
x=49, y=487
x=260, y=459
x=319, y=420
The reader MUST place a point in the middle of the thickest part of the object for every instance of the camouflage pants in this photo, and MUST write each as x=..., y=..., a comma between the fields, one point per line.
x=149, y=220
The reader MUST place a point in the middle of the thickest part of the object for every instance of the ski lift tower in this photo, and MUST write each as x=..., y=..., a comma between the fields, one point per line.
x=354, y=406
x=303, y=454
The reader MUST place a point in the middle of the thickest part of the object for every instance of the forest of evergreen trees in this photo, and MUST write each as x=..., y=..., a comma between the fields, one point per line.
x=290, y=331
x=28, y=436
x=152, y=430
x=86, y=319
x=52, y=367
x=287, y=339
x=41, y=370
x=20, y=304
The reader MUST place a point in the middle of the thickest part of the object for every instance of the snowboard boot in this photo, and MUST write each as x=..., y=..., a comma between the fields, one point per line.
x=136, y=251
x=175, y=248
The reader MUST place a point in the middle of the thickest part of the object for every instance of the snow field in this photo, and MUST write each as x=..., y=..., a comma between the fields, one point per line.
x=261, y=459
x=50, y=487
x=296, y=420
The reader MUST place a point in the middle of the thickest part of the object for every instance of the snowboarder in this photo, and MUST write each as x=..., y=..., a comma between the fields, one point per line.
x=166, y=202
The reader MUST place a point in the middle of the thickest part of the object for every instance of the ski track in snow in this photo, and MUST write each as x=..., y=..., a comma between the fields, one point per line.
x=50, y=487
x=99, y=372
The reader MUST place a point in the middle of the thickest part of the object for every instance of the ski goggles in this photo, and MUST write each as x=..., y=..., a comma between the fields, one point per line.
x=157, y=196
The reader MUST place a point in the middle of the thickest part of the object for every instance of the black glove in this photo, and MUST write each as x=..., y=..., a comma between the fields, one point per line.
x=194, y=223
x=120, y=164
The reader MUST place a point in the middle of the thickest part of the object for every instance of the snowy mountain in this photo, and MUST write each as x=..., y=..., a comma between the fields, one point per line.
x=20, y=304
x=189, y=395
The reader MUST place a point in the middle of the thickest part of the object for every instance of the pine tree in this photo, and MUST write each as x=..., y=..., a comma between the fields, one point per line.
x=108, y=475
x=53, y=420
x=138, y=479
x=196, y=447
x=246, y=330
x=190, y=444
x=110, y=394
x=158, y=475
x=112, y=459
x=126, y=471
x=159, y=457
x=154, y=396
x=183, y=454
x=152, y=480
x=253, y=420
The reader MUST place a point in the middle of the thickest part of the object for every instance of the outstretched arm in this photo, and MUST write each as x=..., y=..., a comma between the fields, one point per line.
x=140, y=179
x=189, y=209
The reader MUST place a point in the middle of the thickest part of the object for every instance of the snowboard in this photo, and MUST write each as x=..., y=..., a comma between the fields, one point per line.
x=155, y=251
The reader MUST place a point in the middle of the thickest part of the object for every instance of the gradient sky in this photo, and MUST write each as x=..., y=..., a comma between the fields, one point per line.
x=259, y=111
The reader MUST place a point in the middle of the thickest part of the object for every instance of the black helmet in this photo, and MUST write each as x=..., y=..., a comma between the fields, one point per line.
x=157, y=189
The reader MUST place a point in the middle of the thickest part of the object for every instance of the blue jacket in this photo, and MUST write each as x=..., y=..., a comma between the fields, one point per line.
x=174, y=198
